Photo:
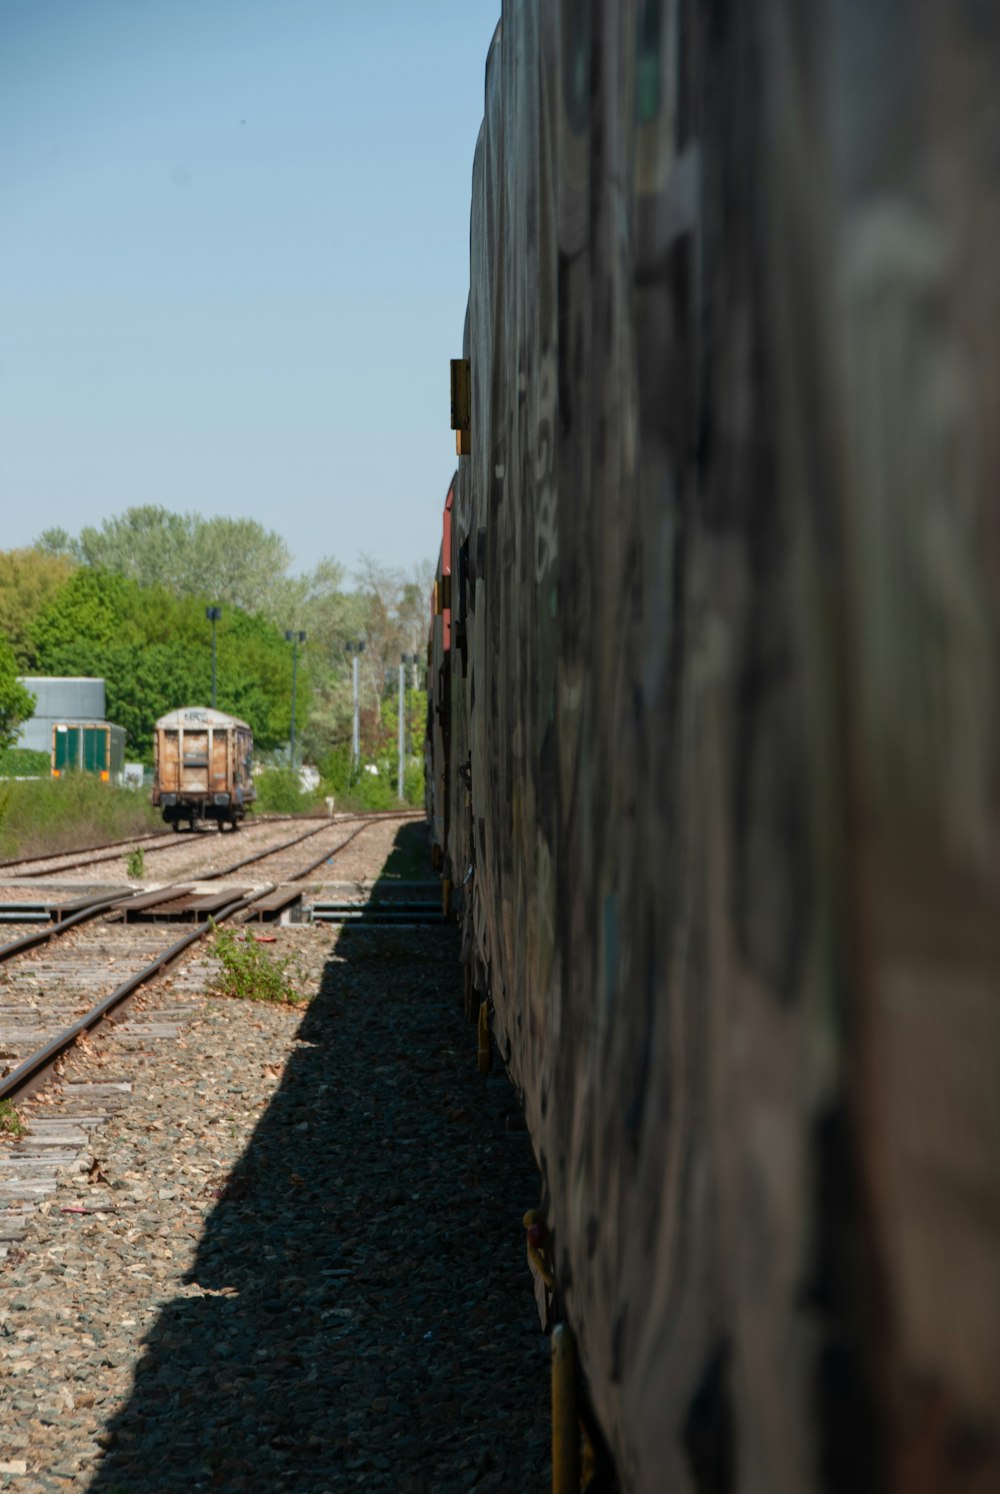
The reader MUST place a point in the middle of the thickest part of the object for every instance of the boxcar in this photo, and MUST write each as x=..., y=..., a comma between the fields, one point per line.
x=203, y=767
x=722, y=804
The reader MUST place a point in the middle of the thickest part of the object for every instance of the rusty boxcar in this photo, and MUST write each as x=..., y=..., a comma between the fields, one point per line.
x=203, y=767
x=723, y=798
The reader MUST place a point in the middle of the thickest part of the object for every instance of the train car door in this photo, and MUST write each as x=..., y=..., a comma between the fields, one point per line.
x=219, y=744
x=194, y=760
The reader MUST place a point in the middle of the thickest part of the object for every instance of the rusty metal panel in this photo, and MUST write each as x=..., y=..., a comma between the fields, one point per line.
x=725, y=755
x=194, y=760
x=220, y=755
x=168, y=770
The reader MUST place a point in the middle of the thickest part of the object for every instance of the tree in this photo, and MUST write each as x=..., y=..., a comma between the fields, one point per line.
x=29, y=580
x=16, y=701
x=234, y=561
x=396, y=616
x=153, y=649
x=237, y=561
x=57, y=542
x=148, y=544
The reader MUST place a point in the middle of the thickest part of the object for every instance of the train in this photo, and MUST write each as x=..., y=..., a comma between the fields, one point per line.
x=713, y=740
x=203, y=768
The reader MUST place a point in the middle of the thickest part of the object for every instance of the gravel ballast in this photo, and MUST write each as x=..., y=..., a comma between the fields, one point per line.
x=294, y=1259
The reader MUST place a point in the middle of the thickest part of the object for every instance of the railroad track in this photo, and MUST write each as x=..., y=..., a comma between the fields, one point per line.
x=61, y=983
x=38, y=867
x=57, y=863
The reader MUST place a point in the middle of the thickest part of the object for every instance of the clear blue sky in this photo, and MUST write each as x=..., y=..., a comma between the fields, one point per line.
x=234, y=262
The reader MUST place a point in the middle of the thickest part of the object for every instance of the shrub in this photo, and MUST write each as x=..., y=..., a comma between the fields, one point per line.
x=248, y=972
x=24, y=762
x=371, y=791
x=279, y=792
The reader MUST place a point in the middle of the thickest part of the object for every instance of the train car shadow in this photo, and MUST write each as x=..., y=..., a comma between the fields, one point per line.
x=359, y=1309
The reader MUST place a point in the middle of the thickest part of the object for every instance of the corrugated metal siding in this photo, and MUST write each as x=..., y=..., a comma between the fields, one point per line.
x=74, y=698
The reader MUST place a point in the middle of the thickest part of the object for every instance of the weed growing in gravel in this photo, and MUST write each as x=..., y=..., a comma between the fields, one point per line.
x=11, y=1123
x=249, y=972
x=135, y=864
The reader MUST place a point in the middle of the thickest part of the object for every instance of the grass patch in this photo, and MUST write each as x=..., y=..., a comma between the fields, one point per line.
x=135, y=864
x=249, y=973
x=49, y=815
x=11, y=1123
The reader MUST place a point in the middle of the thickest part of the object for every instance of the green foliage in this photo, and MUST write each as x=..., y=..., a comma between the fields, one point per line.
x=234, y=561
x=16, y=702
x=414, y=782
x=135, y=864
x=11, y=1123
x=279, y=792
x=154, y=651
x=24, y=762
x=377, y=791
x=29, y=580
x=247, y=971
x=48, y=815
x=370, y=791
x=336, y=772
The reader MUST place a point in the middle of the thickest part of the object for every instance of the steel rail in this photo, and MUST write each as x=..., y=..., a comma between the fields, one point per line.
x=133, y=840
x=227, y=871
x=31, y=1069
x=173, y=844
x=327, y=855
x=42, y=936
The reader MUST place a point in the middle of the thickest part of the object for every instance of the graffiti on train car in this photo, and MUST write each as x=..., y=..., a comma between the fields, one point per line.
x=713, y=736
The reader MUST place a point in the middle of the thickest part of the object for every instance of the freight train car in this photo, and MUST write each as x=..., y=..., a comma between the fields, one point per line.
x=203, y=767
x=722, y=781
x=89, y=747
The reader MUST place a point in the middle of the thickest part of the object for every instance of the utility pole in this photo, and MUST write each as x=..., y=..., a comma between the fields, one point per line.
x=355, y=649
x=294, y=638
x=213, y=614
x=402, y=722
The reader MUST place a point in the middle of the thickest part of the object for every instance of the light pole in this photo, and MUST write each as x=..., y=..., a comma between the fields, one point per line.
x=294, y=638
x=403, y=661
x=213, y=614
x=355, y=649
x=414, y=659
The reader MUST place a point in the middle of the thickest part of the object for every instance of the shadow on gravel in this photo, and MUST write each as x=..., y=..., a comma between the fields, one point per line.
x=367, y=1316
